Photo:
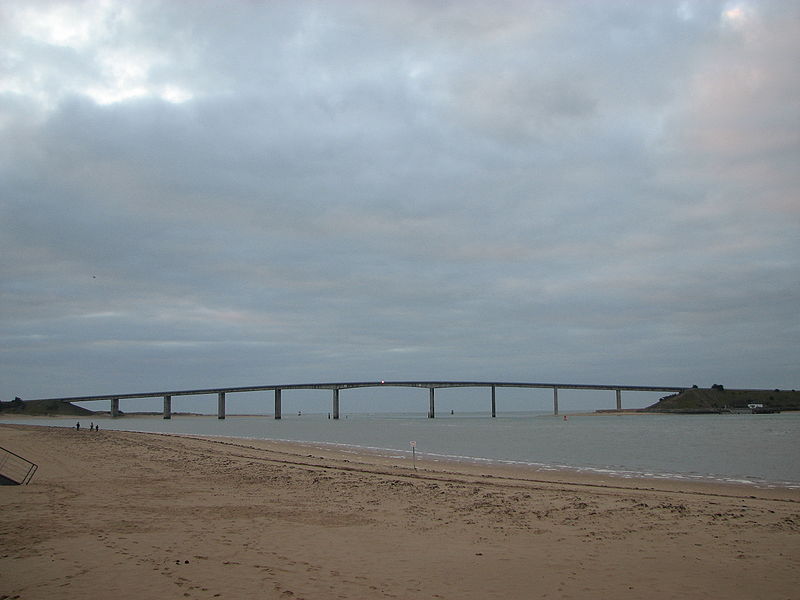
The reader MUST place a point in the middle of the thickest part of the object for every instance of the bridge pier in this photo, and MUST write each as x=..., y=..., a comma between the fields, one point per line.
x=494, y=406
x=277, y=403
x=619, y=399
x=167, y=407
x=335, y=403
x=431, y=405
x=555, y=401
x=114, y=408
x=221, y=405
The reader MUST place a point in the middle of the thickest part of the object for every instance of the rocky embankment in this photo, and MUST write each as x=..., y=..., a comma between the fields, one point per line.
x=717, y=400
x=35, y=408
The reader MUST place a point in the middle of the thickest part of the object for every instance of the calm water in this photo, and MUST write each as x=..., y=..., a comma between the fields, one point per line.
x=759, y=449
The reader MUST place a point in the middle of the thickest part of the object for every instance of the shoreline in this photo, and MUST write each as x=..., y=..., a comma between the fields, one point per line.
x=500, y=471
x=134, y=514
x=543, y=470
x=430, y=464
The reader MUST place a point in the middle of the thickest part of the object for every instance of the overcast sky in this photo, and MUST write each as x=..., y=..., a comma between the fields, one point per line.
x=201, y=194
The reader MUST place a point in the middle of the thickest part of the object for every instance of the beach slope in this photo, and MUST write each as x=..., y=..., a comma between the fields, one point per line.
x=132, y=515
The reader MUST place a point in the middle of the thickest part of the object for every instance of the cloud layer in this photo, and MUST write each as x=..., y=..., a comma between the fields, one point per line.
x=283, y=192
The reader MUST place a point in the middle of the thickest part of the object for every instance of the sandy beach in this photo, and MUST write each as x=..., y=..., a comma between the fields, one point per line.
x=133, y=515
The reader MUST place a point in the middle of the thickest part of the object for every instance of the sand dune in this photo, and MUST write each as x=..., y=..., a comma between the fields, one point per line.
x=133, y=515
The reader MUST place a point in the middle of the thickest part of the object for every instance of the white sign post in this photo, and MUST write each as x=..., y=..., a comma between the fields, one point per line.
x=414, y=453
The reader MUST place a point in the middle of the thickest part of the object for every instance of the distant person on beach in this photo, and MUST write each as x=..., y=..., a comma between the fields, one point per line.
x=97, y=427
x=78, y=426
x=91, y=426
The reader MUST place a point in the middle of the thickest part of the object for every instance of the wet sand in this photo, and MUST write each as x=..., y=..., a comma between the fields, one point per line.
x=134, y=515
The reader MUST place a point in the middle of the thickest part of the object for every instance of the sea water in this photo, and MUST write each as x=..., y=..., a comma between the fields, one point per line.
x=761, y=450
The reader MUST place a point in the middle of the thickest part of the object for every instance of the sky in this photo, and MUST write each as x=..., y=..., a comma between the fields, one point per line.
x=207, y=194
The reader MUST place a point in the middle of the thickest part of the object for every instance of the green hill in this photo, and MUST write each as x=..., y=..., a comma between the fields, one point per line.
x=42, y=408
x=717, y=399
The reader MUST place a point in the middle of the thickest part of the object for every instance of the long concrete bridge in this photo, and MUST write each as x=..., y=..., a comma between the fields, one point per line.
x=335, y=388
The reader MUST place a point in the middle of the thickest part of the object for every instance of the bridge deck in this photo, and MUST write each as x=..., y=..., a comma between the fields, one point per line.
x=364, y=384
x=431, y=386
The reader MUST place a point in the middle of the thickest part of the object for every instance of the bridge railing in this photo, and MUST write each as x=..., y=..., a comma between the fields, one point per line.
x=15, y=469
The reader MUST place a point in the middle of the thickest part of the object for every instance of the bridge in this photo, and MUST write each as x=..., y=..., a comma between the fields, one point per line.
x=335, y=388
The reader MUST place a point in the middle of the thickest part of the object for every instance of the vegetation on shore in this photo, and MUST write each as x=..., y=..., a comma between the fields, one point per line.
x=55, y=408
x=718, y=399
x=43, y=408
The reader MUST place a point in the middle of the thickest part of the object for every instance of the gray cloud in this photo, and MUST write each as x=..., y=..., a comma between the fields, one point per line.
x=302, y=191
